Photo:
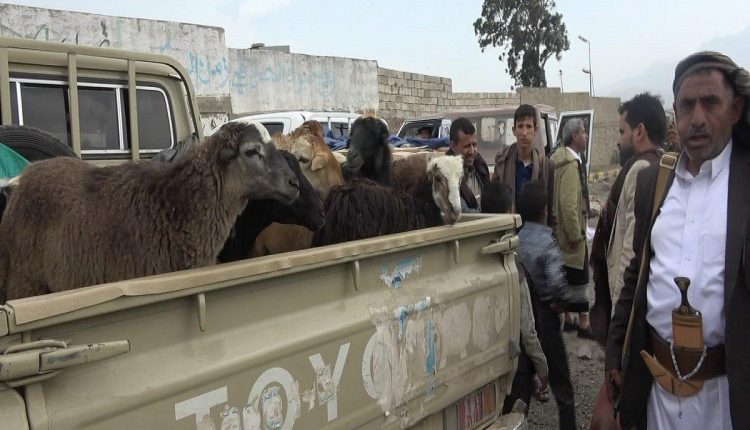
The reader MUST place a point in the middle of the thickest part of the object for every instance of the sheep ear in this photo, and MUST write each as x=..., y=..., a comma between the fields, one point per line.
x=226, y=155
x=318, y=163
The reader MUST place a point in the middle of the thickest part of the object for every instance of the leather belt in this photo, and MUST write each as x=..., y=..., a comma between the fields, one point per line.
x=714, y=365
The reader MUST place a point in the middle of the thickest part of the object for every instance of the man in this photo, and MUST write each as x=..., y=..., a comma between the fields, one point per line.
x=424, y=132
x=699, y=232
x=569, y=205
x=463, y=142
x=642, y=132
x=520, y=162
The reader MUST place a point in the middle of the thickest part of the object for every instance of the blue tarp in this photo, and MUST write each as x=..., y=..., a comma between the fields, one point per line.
x=343, y=142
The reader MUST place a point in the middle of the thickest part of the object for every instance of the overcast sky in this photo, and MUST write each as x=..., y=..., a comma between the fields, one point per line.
x=634, y=44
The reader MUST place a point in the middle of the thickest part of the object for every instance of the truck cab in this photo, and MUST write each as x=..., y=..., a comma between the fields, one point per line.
x=82, y=98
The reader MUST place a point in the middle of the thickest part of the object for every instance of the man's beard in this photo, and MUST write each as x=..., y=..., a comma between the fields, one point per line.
x=626, y=154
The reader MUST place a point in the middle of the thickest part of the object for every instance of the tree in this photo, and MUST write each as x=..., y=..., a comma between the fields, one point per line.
x=528, y=34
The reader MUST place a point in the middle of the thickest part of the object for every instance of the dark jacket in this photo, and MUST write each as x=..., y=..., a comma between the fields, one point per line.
x=483, y=173
x=542, y=169
x=637, y=379
x=602, y=309
x=539, y=252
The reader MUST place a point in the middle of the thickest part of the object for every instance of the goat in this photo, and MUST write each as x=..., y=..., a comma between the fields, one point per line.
x=70, y=224
x=363, y=208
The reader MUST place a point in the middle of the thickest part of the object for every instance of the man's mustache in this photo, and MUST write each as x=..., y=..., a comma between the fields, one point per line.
x=698, y=133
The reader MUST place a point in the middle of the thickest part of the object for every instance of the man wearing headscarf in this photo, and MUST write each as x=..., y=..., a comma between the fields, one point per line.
x=700, y=232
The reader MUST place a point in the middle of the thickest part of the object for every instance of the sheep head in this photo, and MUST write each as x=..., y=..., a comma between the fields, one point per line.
x=307, y=209
x=249, y=163
x=315, y=158
x=445, y=174
x=368, y=154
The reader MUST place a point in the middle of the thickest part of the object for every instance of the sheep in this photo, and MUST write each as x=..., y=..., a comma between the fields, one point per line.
x=71, y=224
x=305, y=211
x=363, y=208
x=368, y=154
x=318, y=163
x=320, y=168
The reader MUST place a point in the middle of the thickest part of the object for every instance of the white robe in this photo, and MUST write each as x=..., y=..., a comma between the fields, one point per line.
x=689, y=239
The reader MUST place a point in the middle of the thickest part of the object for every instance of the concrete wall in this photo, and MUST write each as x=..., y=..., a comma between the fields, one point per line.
x=606, y=118
x=408, y=95
x=244, y=81
x=267, y=81
x=200, y=49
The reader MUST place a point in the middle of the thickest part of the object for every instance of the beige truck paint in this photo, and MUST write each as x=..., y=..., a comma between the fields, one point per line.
x=380, y=333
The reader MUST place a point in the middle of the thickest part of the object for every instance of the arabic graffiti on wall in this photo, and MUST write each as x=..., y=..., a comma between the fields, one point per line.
x=255, y=80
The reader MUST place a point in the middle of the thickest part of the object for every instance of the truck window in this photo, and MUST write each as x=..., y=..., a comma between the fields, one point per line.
x=45, y=107
x=493, y=134
x=274, y=127
x=103, y=114
x=154, y=119
x=338, y=129
x=99, y=119
x=412, y=129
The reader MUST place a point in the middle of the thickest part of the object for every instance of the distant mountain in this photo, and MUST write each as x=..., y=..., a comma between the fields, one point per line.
x=657, y=78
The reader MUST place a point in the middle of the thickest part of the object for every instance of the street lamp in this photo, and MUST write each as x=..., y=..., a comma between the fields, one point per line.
x=588, y=71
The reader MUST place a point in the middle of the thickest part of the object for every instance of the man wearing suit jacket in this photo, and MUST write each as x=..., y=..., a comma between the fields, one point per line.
x=700, y=231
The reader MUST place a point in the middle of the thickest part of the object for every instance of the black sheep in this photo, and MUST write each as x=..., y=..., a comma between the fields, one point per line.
x=306, y=210
x=363, y=208
x=368, y=154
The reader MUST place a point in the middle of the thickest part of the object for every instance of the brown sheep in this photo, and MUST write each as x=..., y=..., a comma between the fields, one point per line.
x=70, y=224
x=323, y=171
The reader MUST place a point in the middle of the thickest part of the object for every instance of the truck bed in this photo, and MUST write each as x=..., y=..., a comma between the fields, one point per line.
x=386, y=332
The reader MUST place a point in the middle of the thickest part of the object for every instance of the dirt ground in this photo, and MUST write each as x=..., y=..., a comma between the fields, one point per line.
x=585, y=357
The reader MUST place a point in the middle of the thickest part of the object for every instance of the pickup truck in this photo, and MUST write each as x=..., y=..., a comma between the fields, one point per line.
x=418, y=329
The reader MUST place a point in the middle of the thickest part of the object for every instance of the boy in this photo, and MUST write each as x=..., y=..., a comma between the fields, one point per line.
x=539, y=252
x=497, y=198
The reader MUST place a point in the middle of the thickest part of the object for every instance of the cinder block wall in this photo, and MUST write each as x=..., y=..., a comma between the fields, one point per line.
x=409, y=95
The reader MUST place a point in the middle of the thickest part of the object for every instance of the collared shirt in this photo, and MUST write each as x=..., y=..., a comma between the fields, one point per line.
x=689, y=239
x=523, y=174
x=474, y=183
x=575, y=154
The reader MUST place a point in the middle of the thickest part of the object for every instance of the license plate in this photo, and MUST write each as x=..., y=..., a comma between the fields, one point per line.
x=477, y=407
